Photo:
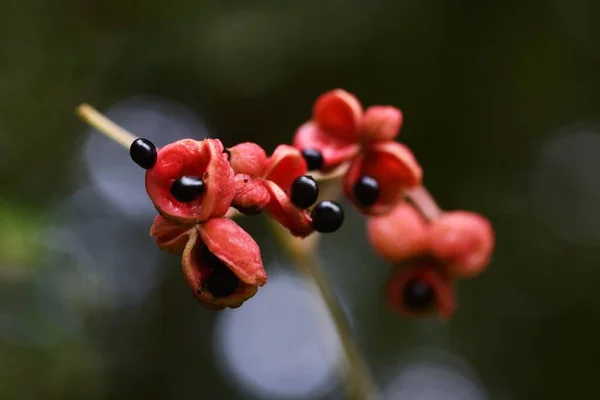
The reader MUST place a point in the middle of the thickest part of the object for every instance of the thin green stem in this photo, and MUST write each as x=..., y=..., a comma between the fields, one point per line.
x=105, y=126
x=358, y=380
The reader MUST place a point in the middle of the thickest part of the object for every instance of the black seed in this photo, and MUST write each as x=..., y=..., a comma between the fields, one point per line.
x=327, y=216
x=222, y=282
x=366, y=191
x=187, y=188
x=304, y=191
x=313, y=158
x=418, y=294
x=143, y=153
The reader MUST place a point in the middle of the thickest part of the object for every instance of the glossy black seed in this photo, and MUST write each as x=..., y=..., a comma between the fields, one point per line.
x=143, y=153
x=418, y=294
x=222, y=282
x=187, y=188
x=366, y=191
x=304, y=191
x=313, y=158
x=327, y=216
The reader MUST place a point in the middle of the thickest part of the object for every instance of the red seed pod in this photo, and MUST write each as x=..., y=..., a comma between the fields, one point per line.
x=251, y=195
x=380, y=123
x=281, y=169
x=280, y=207
x=334, y=151
x=284, y=166
x=339, y=114
x=170, y=236
x=421, y=289
x=334, y=128
x=463, y=241
x=191, y=181
x=392, y=167
x=400, y=235
x=222, y=264
x=340, y=128
x=248, y=159
x=381, y=170
x=268, y=190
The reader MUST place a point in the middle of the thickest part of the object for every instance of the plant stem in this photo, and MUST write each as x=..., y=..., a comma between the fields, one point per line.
x=90, y=115
x=358, y=381
x=425, y=203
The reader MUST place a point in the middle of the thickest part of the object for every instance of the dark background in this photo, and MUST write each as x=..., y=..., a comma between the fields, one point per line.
x=501, y=107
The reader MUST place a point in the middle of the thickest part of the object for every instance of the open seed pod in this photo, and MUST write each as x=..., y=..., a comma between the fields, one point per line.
x=191, y=181
x=270, y=190
x=333, y=130
x=391, y=167
x=284, y=166
x=281, y=208
x=222, y=264
x=421, y=289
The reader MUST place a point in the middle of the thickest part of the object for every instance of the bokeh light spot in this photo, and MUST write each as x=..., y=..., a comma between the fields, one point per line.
x=565, y=186
x=276, y=345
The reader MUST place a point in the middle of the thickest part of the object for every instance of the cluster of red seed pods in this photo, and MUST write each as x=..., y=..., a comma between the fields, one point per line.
x=193, y=184
x=428, y=255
